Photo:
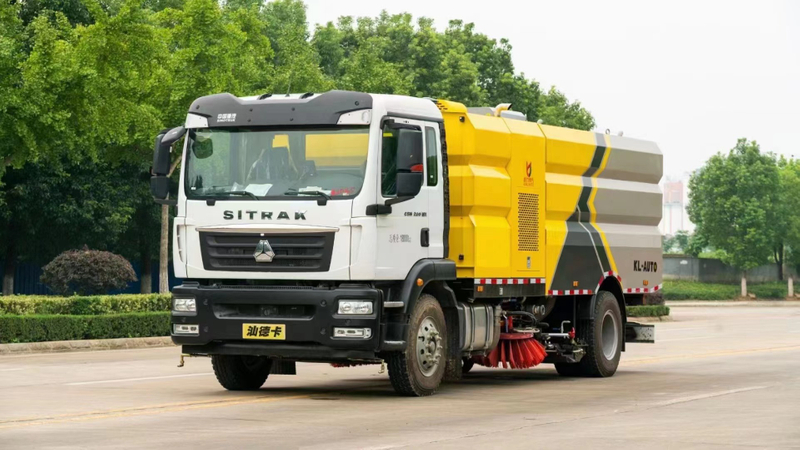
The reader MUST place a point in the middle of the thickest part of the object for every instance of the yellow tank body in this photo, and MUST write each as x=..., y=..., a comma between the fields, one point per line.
x=536, y=201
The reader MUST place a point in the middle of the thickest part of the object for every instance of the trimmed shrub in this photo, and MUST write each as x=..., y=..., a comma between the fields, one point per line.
x=80, y=305
x=692, y=290
x=87, y=272
x=40, y=328
x=647, y=311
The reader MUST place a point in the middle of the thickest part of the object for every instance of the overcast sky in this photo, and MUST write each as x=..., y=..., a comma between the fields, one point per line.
x=692, y=76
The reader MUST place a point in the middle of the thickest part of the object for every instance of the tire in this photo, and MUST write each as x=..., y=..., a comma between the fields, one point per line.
x=417, y=376
x=603, y=336
x=241, y=373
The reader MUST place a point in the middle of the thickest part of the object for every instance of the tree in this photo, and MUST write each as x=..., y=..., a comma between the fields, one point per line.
x=789, y=213
x=733, y=202
x=52, y=208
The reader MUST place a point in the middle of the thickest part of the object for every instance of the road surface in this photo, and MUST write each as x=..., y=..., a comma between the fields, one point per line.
x=717, y=378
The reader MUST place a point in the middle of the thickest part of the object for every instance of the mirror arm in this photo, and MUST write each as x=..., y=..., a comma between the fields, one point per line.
x=396, y=200
x=386, y=208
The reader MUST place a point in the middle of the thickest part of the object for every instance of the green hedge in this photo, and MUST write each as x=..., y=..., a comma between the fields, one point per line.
x=692, y=290
x=39, y=328
x=84, y=305
x=647, y=311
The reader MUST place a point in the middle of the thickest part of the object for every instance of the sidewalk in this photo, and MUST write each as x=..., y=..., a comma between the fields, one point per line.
x=788, y=303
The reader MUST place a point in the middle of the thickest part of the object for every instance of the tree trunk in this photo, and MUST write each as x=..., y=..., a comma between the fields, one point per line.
x=777, y=254
x=744, y=284
x=791, y=288
x=8, y=272
x=146, y=278
x=163, y=266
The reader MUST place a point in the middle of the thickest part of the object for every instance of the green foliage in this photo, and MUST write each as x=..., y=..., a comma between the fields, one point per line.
x=733, y=203
x=39, y=328
x=647, y=311
x=692, y=290
x=84, y=305
x=87, y=271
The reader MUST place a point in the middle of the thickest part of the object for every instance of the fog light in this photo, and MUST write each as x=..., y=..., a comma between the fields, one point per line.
x=184, y=305
x=186, y=330
x=355, y=307
x=357, y=333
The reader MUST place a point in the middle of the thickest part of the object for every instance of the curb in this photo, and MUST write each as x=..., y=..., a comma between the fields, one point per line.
x=650, y=319
x=723, y=303
x=84, y=345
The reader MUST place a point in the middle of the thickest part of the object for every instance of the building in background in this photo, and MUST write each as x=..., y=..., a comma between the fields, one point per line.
x=676, y=197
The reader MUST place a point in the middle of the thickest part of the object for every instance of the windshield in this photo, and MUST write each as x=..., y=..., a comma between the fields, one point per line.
x=269, y=163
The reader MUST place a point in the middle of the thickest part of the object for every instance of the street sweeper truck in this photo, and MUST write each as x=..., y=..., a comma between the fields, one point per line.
x=352, y=228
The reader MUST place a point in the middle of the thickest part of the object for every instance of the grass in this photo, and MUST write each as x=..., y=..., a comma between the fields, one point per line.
x=647, y=311
x=692, y=290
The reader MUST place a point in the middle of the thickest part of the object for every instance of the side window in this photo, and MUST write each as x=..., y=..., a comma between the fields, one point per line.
x=389, y=162
x=430, y=148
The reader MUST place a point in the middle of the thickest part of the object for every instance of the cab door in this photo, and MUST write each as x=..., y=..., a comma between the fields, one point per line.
x=403, y=236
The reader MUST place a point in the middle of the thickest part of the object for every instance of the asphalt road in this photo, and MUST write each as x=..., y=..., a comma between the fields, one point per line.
x=718, y=377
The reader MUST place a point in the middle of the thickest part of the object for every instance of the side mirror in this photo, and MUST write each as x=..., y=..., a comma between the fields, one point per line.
x=159, y=187
x=409, y=162
x=159, y=182
x=163, y=144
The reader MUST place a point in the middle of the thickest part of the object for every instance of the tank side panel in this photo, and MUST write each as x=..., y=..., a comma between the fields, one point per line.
x=491, y=195
x=575, y=257
x=627, y=206
x=460, y=174
x=479, y=149
x=527, y=212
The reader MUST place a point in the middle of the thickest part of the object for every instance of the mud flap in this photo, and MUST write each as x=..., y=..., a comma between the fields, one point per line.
x=637, y=332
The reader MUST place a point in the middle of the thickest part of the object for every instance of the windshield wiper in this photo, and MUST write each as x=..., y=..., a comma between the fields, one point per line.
x=243, y=193
x=323, y=197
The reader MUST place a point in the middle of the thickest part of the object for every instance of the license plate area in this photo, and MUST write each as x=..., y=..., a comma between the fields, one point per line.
x=264, y=331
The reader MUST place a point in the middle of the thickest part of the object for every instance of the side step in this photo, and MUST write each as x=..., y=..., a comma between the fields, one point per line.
x=637, y=332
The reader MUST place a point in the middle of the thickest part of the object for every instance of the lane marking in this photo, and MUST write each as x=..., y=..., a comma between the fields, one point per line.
x=710, y=355
x=205, y=404
x=692, y=398
x=687, y=338
x=141, y=411
x=125, y=380
x=12, y=370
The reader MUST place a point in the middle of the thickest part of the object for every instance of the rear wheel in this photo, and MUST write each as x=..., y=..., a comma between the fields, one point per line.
x=241, y=373
x=419, y=370
x=603, y=337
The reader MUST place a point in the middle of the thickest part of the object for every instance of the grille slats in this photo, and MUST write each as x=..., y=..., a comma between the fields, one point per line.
x=527, y=222
x=293, y=252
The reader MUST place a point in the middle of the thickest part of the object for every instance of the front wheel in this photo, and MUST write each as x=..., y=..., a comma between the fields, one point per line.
x=603, y=337
x=419, y=370
x=241, y=373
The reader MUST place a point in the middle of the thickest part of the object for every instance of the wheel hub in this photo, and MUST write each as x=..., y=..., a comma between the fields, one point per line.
x=429, y=347
x=609, y=334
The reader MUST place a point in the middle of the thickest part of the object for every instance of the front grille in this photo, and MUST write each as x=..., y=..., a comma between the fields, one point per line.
x=259, y=311
x=293, y=252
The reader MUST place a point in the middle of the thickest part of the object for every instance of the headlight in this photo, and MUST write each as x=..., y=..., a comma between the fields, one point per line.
x=361, y=307
x=186, y=330
x=184, y=305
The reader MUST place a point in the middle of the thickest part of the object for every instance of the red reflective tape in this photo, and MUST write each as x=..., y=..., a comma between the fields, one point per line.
x=418, y=168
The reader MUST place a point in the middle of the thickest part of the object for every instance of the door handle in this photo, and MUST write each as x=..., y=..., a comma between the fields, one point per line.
x=425, y=238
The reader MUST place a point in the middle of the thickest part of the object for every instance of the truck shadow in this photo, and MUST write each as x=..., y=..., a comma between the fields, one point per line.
x=477, y=380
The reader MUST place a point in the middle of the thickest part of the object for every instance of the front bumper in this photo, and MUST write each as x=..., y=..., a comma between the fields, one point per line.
x=308, y=316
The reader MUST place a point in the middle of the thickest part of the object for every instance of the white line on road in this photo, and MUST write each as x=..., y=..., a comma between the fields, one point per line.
x=692, y=398
x=685, y=339
x=124, y=380
x=12, y=370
